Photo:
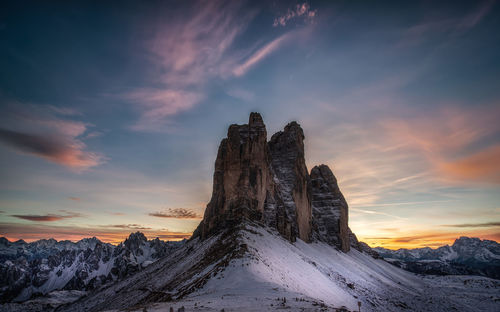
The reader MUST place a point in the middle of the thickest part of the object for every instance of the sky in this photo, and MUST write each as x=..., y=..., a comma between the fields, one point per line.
x=111, y=114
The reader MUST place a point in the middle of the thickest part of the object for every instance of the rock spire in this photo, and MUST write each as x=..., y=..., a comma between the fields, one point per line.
x=268, y=182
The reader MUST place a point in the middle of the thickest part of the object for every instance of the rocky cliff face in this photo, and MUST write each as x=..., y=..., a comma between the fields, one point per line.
x=330, y=210
x=293, y=184
x=269, y=182
x=242, y=178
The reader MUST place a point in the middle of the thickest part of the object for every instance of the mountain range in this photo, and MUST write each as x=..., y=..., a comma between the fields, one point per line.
x=467, y=256
x=273, y=236
x=37, y=268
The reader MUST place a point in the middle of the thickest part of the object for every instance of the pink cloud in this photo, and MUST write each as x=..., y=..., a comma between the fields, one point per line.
x=157, y=105
x=189, y=50
x=300, y=11
x=259, y=55
x=52, y=138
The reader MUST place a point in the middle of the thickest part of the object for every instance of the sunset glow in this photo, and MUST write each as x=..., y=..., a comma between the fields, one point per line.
x=110, y=116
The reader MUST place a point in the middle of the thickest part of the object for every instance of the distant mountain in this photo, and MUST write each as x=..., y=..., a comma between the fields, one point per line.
x=467, y=256
x=29, y=269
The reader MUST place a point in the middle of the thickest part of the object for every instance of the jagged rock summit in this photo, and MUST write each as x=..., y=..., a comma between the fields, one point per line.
x=268, y=182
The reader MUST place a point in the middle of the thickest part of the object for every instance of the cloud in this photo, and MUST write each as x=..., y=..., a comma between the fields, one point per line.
x=300, y=11
x=74, y=198
x=49, y=217
x=241, y=94
x=189, y=49
x=483, y=166
x=69, y=153
x=474, y=225
x=112, y=235
x=177, y=213
x=35, y=130
x=259, y=55
x=453, y=140
x=473, y=18
x=157, y=105
x=126, y=226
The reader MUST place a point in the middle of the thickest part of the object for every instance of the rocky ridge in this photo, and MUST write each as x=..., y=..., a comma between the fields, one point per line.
x=268, y=182
x=467, y=256
x=37, y=268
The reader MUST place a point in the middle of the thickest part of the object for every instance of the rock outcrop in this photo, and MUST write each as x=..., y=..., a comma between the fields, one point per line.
x=292, y=179
x=242, y=178
x=268, y=182
x=330, y=210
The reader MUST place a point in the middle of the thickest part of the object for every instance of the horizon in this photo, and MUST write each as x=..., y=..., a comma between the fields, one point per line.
x=112, y=116
x=178, y=240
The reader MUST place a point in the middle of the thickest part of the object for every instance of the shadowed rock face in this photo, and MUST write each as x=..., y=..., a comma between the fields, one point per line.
x=289, y=167
x=269, y=182
x=241, y=179
x=330, y=210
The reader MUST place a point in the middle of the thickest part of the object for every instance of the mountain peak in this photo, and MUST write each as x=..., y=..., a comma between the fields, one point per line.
x=268, y=182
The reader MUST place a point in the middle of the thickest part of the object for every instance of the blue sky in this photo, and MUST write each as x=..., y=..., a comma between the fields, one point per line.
x=111, y=115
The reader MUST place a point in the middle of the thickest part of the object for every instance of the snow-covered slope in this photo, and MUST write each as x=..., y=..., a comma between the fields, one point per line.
x=254, y=269
x=467, y=256
x=28, y=269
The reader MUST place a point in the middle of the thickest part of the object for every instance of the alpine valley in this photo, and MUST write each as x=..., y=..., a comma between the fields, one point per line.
x=274, y=236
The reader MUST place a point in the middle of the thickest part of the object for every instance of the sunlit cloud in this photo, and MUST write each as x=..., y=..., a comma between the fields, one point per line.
x=157, y=105
x=474, y=225
x=260, y=54
x=176, y=213
x=127, y=226
x=38, y=132
x=49, y=217
x=190, y=49
x=301, y=11
x=483, y=166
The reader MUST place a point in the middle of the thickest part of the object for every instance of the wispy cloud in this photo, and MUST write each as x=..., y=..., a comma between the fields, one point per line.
x=177, y=213
x=259, y=55
x=473, y=18
x=127, y=226
x=474, y=225
x=193, y=49
x=483, y=166
x=301, y=11
x=49, y=217
x=190, y=49
x=157, y=105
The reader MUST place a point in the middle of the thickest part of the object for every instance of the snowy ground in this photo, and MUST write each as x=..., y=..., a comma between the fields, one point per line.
x=311, y=277
x=316, y=277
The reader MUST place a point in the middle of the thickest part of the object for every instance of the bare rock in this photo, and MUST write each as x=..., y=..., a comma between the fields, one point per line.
x=329, y=209
x=288, y=166
x=241, y=178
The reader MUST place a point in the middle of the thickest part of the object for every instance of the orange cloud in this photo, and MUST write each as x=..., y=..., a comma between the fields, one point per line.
x=38, y=132
x=48, y=217
x=448, y=133
x=481, y=166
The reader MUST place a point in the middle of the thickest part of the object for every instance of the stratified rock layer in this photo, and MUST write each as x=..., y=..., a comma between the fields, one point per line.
x=330, y=210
